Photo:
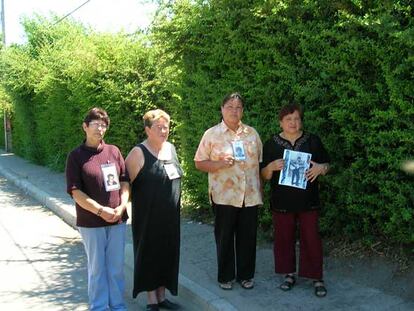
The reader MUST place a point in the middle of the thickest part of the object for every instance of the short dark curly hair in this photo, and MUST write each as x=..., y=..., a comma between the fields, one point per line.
x=97, y=113
x=290, y=108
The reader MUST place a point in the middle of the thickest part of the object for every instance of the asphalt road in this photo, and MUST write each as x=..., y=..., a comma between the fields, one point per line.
x=42, y=260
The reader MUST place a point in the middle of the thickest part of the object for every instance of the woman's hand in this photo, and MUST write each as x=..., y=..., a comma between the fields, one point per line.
x=119, y=211
x=276, y=165
x=227, y=161
x=108, y=214
x=211, y=166
x=315, y=170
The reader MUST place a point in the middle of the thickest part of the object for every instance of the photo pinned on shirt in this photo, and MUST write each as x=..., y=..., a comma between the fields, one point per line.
x=111, y=180
x=293, y=172
x=238, y=150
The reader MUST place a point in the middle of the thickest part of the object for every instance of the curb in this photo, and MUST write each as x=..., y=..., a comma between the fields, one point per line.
x=63, y=210
x=190, y=290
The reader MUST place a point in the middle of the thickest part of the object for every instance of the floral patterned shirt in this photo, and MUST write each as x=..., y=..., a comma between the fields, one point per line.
x=239, y=183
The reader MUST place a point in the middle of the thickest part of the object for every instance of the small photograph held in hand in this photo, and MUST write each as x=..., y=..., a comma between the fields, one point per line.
x=238, y=150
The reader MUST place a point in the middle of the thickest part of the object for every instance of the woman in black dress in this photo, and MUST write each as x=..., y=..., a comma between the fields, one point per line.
x=294, y=204
x=155, y=175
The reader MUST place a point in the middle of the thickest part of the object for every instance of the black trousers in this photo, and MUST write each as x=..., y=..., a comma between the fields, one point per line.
x=235, y=230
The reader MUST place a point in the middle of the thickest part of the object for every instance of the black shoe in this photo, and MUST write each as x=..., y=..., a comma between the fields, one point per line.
x=320, y=289
x=166, y=304
x=152, y=307
x=288, y=283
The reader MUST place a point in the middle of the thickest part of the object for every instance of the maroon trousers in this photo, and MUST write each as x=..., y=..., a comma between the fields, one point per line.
x=284, y=250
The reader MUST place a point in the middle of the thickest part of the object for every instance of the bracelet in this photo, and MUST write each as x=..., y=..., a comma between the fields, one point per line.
x=99, y=211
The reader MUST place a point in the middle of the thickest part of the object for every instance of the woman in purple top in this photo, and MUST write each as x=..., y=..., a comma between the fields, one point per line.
x=100, y=210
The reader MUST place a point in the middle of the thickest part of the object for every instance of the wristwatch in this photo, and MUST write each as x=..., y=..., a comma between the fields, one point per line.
x=99, y=211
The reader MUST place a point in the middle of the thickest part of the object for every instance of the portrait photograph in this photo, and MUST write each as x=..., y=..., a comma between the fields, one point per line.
x=111, y=180
x=293, y=173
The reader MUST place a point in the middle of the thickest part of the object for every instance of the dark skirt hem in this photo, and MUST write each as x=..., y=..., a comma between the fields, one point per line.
x=173, y=292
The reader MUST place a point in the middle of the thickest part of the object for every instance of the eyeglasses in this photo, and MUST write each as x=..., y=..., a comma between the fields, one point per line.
x=98, y=125
x=161, y=128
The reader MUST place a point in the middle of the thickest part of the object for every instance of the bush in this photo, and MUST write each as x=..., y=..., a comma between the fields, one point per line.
x=349, y=63
x=64, y=71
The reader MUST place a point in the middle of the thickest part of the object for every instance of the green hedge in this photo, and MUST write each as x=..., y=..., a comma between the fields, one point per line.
x=349, y=63
x=61, y=73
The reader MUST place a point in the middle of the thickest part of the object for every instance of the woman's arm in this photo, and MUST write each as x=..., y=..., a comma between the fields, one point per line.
x=268, y=170
x=316, y=170
x=87, y=203
x=202, y=158
x=321, y=164
x=134, y=162
x=211, y=166
x=119, y=210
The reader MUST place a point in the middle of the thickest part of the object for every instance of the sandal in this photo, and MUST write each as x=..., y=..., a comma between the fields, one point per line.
x=320, y=289
x=289, y=282
x=247, y=284
x=226, y=285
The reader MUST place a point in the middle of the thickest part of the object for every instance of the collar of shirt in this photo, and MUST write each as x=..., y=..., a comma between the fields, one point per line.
x=93, y=150
x=241, y=129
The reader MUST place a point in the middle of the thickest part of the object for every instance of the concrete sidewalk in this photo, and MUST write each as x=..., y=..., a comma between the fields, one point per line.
x=353, y=284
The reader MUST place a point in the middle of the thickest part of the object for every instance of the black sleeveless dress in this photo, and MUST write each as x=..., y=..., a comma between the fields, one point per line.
x=156, y=225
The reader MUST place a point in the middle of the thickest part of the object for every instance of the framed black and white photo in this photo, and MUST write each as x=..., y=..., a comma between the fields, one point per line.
x=293, y=172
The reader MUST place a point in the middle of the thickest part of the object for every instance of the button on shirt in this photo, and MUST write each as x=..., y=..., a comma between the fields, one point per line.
x=240, y=182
